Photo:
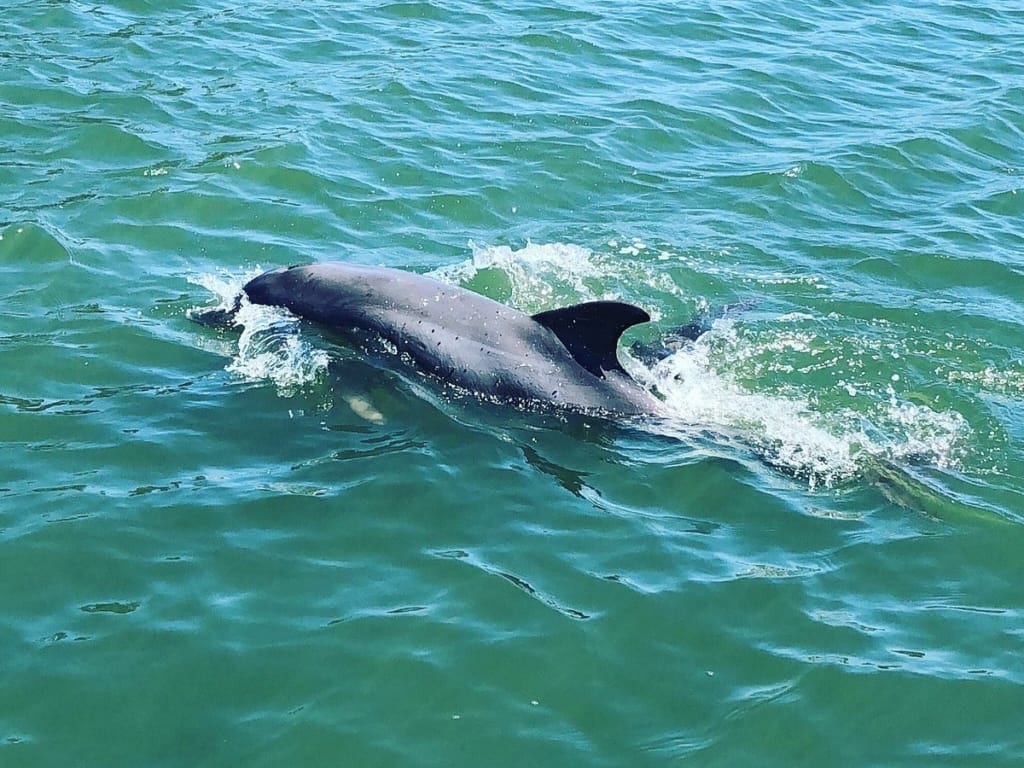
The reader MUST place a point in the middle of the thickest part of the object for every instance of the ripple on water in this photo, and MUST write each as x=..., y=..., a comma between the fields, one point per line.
x=286, y=556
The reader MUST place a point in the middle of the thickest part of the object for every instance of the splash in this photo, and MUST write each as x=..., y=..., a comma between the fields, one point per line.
x=715, y=385
x=534, y=277
x=270, y=347
x=784, y=431
x=541, y=276
x=789, y=431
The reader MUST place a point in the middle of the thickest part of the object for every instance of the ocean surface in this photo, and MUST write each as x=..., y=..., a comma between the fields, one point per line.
x=256, y=547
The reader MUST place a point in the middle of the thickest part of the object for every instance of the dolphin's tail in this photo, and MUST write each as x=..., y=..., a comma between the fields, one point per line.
x=217, y=317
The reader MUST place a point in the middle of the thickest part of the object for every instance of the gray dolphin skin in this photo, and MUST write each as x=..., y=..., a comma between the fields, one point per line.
x=565, y=358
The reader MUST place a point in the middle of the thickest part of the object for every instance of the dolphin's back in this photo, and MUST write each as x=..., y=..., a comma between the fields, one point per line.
x=564, y=357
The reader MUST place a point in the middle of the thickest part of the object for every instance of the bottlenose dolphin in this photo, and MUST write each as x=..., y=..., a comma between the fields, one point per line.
x=565, y=358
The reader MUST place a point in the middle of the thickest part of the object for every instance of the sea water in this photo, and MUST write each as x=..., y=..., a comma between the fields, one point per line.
x=256, y=546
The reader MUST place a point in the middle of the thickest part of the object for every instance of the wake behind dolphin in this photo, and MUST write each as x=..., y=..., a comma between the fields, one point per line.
x=565, y=358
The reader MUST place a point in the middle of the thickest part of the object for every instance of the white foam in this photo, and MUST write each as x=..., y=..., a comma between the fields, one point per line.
x=783, y=431
x=270, y=347
x=1008, y=381
x=224, y=285
x=788, y=431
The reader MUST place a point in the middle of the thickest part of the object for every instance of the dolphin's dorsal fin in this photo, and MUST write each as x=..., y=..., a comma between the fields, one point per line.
x=591, y=331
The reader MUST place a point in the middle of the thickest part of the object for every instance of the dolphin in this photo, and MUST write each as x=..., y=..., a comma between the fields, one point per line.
x=563, y=358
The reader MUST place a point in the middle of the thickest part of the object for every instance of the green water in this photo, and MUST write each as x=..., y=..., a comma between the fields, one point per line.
x=219, y=549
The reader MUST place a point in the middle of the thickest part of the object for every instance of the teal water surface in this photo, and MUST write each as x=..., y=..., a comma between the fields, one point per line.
x=256, y=547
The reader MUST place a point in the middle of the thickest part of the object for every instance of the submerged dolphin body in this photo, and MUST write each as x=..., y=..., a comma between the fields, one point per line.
x=564, y=358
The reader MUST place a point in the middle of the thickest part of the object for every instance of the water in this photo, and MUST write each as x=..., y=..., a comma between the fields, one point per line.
x=258, y=548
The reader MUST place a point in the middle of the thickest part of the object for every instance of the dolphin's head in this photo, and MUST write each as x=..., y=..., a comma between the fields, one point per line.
x=324, y=293
x=271, y=287
x=267, y=288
